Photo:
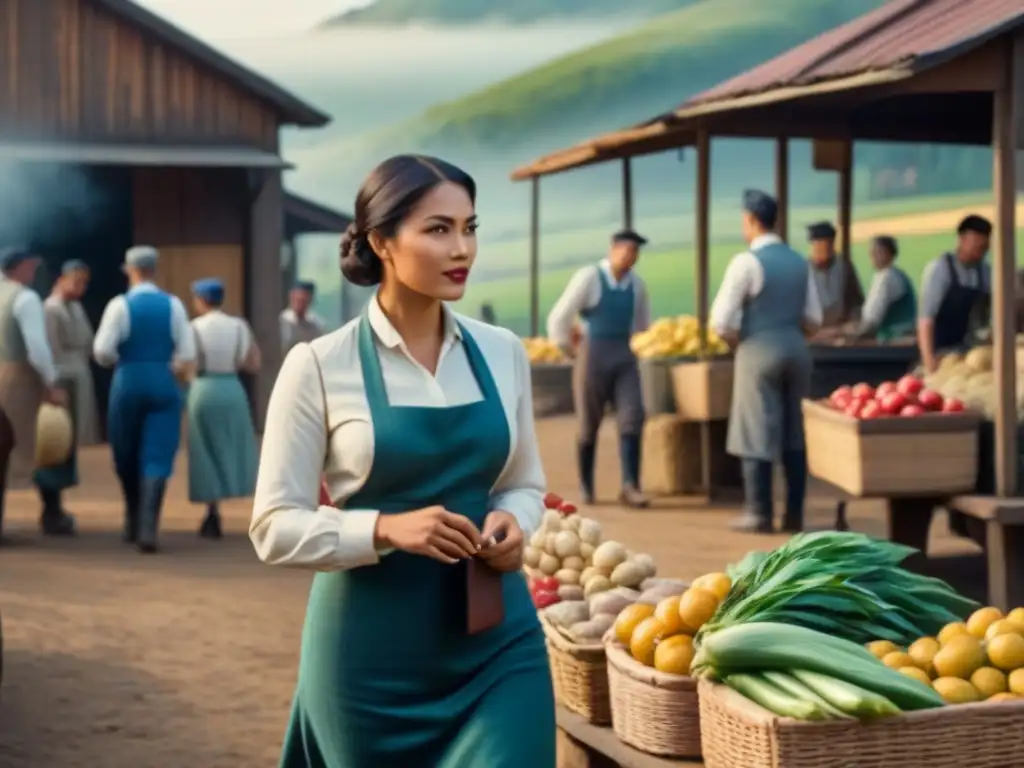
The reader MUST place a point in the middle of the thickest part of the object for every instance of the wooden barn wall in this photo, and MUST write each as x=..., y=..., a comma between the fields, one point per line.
x=69, y=69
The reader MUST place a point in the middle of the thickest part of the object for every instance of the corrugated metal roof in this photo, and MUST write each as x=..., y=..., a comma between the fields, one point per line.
x=186, y=156
x=901, y=33
x=311, y=216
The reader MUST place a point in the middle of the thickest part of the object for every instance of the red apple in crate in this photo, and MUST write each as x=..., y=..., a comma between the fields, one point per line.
x=841, y=397
x=543, y=599
x=546, y=584
x=912, y=410
x=863, y=391
x=930, y=400
x=910, y=386
x=552, y=500
x=952, y=405
x=885, y=388
x=892, y=402
x=854, y=408
x=872, y=410
x=567, y=509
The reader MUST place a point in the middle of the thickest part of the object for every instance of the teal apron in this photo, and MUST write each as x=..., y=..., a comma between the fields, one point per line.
x=901, y=316
x=388, y=674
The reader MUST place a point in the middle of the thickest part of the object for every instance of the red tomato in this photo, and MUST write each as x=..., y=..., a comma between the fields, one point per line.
x=885, y=388
x=952, y=405
x=912, y=410
x=893, y=402
x=930, y=400
x=863, y=391
x=566, y=508
x=872, y=410
x=552, y=500
x=546, y=584
x=855, y=407
x=910, y=385
x=841, y=397
x=544, y=598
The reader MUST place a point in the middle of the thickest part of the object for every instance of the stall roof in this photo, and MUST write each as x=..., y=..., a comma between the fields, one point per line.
x=179, y=155
x=899, y=40
x=306, y=215
x=293, y=110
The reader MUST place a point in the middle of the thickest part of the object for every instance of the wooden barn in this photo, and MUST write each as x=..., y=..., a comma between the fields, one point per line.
x=162, y=140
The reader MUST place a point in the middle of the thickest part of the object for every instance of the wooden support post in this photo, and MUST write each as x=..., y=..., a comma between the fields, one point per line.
x=1006, y=121
x=627, y=193
x=782, y=187
x=535, y=256
x=846, y=202
x=266, y=230
x=701, y=233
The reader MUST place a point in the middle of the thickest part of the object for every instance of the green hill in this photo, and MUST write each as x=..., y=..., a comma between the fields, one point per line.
x=402, y=12
x=638, y=74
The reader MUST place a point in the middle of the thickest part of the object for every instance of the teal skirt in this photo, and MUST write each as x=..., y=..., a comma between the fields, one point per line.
x=221, y=440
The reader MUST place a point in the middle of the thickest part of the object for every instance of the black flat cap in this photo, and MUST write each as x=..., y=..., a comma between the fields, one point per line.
x=629, y=236
x=761, y=206
x=975, y=223
x=823, y=230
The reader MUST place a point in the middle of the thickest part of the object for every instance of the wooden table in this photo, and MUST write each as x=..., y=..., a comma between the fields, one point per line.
x=582, y=745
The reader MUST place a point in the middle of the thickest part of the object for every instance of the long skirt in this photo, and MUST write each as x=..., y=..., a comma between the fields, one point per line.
x=222, y=454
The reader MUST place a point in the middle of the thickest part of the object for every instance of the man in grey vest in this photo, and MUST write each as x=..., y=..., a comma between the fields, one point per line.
x=299, y=323
x=766, y=307
x=28, y=376
x=612, y=300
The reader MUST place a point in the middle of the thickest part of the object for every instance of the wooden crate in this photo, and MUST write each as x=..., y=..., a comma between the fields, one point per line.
x=928, y=454
x=656, y=385
x=702, y=390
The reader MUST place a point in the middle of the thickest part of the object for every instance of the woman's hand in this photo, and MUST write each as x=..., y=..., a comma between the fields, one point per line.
x=506, y=553
x=432, y=531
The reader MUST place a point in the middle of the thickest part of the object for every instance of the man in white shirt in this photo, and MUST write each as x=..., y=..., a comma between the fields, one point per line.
x=299, y=323
x=28, y=377
x=766, y=306
x=146, y=334
x=890, y=310
x=613, y=303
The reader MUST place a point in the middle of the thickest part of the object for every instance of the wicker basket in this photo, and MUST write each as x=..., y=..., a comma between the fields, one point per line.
x=737, y=733
x=652, y=711
x=579, y=674
x=703, y=389
x=932, y=453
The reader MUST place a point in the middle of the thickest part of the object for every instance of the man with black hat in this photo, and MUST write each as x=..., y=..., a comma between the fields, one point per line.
x=613, y=303
x=28, y=377
x=890, y=310
x=766, y=307
x=299, y=323
x=955, y=291
x=839, y=289
x=146, y=334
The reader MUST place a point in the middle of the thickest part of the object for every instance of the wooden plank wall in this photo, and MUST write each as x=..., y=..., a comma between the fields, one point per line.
x=70, y=69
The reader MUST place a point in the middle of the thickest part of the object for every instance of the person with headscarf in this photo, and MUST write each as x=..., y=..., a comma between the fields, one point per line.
x=890, y=310
x=222, y=455
x=145, y=333
x=613, y=303
x=766, y=307
x=955, y=292
x=28, y=377
x=299, y=323
x=835, y=278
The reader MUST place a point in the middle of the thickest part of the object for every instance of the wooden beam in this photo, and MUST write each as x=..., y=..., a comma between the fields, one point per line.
x=702, y=232
x=627, y=193
x=535, y=256
x=1006, y=120
x=846, y=202
x=782, y=187
x=266, y=225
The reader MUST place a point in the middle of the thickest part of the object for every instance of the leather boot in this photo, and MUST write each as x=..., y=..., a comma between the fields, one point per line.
x=210, y=529
x=757, y=489
x=54, y=521
x=130, y=489
x=629, y=457
x=586, y=453
x=794, y=466
x=151, y=502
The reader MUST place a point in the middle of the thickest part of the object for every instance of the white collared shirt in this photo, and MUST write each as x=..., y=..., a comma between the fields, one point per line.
x=584, y=292
x=222, y=340
x=115, y=325
x=886, y=289
x=28, y=314
x=289, y=526
x=743, y=280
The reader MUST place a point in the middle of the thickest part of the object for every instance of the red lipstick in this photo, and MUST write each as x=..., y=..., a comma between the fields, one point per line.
x=459, y=275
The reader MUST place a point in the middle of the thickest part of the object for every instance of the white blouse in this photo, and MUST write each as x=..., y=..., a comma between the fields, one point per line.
x=222, y=341
x=289, y=527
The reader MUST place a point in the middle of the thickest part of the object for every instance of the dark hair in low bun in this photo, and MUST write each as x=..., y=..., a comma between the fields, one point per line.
x=385, y=199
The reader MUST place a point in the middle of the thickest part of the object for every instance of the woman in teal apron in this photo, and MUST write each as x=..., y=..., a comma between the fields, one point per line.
x=390, y=674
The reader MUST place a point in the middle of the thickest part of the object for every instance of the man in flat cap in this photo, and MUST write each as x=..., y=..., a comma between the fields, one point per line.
x=299, y=323
x=613, y=303
x=70, y=336
x=890, y=310
x=839, y=288
x=766, y=307
x=28, y=377
x=145, y=333
x=955, y=292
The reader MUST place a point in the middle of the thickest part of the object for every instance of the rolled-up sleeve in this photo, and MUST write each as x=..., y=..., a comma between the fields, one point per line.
x=520, y=489
x=934, y=287
x=289, y=525
x=577, y=297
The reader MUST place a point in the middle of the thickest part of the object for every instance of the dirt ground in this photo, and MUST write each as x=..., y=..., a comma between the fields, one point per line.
x=923, y=223
x=188, y=658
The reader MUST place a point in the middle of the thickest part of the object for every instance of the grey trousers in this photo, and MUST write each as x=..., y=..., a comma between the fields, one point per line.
x=606, y=372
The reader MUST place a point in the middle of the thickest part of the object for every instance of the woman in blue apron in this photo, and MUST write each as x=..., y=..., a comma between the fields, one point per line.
x=422, y=425
x=221, y=435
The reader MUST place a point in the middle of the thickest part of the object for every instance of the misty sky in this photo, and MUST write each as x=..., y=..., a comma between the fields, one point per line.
x=226, y=19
